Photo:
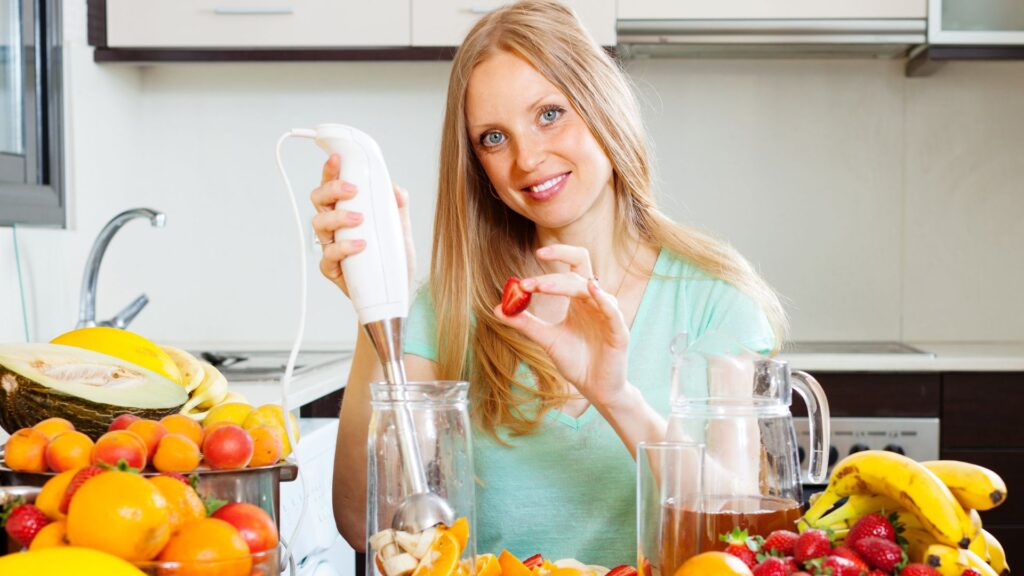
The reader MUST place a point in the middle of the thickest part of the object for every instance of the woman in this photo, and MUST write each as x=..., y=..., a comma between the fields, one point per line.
x=545, y=175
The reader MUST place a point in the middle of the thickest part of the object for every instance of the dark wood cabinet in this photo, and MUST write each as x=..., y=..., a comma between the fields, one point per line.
x=878, y=394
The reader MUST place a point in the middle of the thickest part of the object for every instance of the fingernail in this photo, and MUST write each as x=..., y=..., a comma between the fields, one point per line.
x=547, y=286
x=593, y=279
x=355, y=216
x=358, y=243
x=348, y=187
x=528, y=284
x=543, y=251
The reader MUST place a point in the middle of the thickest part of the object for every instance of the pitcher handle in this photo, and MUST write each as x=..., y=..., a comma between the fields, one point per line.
x=818, y=418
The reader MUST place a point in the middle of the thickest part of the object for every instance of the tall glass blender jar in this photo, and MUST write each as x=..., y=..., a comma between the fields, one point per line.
x=440, y=418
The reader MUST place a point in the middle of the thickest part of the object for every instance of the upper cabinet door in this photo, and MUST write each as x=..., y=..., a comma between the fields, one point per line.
x=757, y=9
x=446, y=22
x=256, y=23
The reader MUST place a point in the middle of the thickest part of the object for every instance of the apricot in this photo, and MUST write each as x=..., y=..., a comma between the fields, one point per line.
x=227, y=448
x=54, y=426
x=122, y=422
x=271, y=414
x=119, y=445
x=187, y=427
x=68, y=451
x=176, y=453
x=25, y=451
x=151, y=432
x=211, y=428
x=267, y=446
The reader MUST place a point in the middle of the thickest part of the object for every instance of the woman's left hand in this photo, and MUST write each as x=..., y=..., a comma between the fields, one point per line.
x=590, y=345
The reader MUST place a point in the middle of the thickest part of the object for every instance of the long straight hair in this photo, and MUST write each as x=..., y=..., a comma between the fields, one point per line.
x=479, y=242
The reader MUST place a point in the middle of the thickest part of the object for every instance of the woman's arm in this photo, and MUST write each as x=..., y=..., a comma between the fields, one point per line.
x=632, y=418
x=349, y=485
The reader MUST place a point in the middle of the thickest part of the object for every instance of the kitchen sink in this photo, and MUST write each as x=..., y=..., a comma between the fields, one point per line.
x=252, y=365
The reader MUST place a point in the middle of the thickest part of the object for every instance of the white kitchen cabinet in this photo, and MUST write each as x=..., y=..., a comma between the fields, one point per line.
x=762, y=9
x=256, y=23
x=446, y=22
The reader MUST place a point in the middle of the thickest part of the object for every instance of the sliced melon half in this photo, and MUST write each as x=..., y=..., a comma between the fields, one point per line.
x=39, y=381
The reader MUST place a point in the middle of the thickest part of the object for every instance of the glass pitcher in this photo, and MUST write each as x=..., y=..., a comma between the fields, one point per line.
x=441, y=420
x=736, y=403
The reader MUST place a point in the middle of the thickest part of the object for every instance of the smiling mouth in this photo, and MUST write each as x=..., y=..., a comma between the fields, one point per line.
x=548, y=188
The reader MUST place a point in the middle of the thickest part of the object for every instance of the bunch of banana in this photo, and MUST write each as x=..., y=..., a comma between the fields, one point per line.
x=935, y=504
x=206, y=386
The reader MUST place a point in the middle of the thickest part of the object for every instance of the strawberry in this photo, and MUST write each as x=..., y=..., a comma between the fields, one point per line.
x=513, y=298
x=845, y=552
x=880, y=573
x=771, y=566
x=880, y=553
x=177, y=476
x=918, y=569
x=791, y=565
x=812, y=544
x=76, y=481
x=624, y=570
x=23, y=523
x=780, y=541
x=871, y=525
x=534, y=561
x=970, y=572
x=840, y=566
x=740, y=545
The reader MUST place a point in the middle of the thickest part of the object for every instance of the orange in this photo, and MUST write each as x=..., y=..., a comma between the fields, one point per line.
x=52, y=493
x=512, y=566
x=714, y=564
x=267, y=446
x=487, y=565
x=187, y=427
x=54, y=426
x=176, y=453
x=119, y=513
x=208, y=547
x=53, y=535
x=68, y=450
x=460, y=530
x=25, y=451
x=184, y=506
x=442, y=559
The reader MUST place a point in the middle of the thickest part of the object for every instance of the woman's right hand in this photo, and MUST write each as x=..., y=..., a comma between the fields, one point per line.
x=329, y=220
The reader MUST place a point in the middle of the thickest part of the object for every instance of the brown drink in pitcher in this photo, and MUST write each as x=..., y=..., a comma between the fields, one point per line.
x=687, y=532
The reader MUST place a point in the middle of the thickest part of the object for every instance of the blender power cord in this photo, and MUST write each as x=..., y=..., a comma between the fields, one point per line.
x=297, y=344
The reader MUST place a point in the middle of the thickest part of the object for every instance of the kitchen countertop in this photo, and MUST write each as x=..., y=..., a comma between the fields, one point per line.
x=936, y=357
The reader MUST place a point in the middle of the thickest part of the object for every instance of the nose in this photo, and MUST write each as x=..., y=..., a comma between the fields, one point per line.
x=530, y=152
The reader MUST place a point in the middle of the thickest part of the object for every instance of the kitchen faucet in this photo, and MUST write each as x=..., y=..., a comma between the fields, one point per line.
x=87, y=301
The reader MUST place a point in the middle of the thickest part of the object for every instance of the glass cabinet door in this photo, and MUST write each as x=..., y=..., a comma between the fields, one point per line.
x=11, y=79
x=976, y=22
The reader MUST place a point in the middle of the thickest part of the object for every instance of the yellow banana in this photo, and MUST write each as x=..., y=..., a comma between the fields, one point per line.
x=858, y=505
x=911, y=485
x=978, y=563
x=946, y=560
x=209, y=393
x=978, y=545
x=819, y=507
x=996, y=554
x=974, y=486
x=189, y=366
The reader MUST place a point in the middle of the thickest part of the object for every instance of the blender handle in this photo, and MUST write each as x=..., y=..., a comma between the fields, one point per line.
x=818, y=418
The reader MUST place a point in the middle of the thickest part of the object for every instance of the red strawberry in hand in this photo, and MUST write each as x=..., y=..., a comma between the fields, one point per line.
x=771, y=566
x=76, y=481
x=24, y=522
x=513, y=298
x=845, y=552
x=741, y=546
x=810, y=545
x=918, y=570
x=781, y=541
x=871, y=525
x=880, y=553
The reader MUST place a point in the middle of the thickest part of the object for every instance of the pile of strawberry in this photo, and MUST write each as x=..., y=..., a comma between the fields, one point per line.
x=871, y=548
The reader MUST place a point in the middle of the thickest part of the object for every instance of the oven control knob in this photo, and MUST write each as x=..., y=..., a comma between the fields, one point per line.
x=833, y=456
x=895, y=448
x=858, y=447
x=801, y=454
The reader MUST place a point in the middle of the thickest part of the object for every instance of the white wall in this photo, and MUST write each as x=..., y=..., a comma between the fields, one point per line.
x=881, y=207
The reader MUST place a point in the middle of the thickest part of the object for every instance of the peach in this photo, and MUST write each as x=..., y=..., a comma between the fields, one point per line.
x=119, y=445
x=227, y=447
x=54, y=426
x=271, y=414
x=68, y=451
x=211, y=428
x=176, y=453
x=122, y=422
x=25, y=451
x=151, y=432
x=187, y=427
x=252, y=522
x=267, y=446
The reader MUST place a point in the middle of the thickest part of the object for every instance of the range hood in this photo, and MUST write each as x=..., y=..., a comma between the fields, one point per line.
x=774, y=38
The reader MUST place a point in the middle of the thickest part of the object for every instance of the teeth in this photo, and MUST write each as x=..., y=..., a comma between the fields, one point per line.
x=546, y=185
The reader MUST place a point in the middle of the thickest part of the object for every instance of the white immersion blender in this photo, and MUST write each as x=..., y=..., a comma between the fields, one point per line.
x=378, y=284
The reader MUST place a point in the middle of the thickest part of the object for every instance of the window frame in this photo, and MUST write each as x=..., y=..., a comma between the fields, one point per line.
x=39, y=199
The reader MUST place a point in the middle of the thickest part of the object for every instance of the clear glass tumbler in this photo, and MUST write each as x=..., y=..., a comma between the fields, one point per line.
x=669, y=498
x=440, y=417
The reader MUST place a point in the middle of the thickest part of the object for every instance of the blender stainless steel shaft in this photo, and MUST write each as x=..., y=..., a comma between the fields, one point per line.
x=421, y=508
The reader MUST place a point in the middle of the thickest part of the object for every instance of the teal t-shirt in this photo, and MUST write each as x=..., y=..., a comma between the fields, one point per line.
x=569, y=491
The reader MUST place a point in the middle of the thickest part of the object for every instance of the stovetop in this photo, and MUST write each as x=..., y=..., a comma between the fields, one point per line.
x=267, y=364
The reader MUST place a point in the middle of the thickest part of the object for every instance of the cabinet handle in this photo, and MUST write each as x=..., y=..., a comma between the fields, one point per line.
x=242, y=11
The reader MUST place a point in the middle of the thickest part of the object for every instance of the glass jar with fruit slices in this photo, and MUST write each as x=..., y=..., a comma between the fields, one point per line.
x=440, y=418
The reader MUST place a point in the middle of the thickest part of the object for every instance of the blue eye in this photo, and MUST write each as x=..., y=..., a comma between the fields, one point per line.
x=550, y=115
x=492, y=138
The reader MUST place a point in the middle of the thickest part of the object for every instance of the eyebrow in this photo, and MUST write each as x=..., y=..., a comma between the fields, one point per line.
x=533, y=105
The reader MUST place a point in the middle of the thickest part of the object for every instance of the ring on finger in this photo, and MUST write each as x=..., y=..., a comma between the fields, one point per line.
x=323, y=242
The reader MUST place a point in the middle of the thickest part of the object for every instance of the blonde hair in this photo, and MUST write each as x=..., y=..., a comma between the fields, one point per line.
x=472, y=226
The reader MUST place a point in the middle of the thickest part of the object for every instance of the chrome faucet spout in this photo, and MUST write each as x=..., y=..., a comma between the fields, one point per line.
x=87, y=300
